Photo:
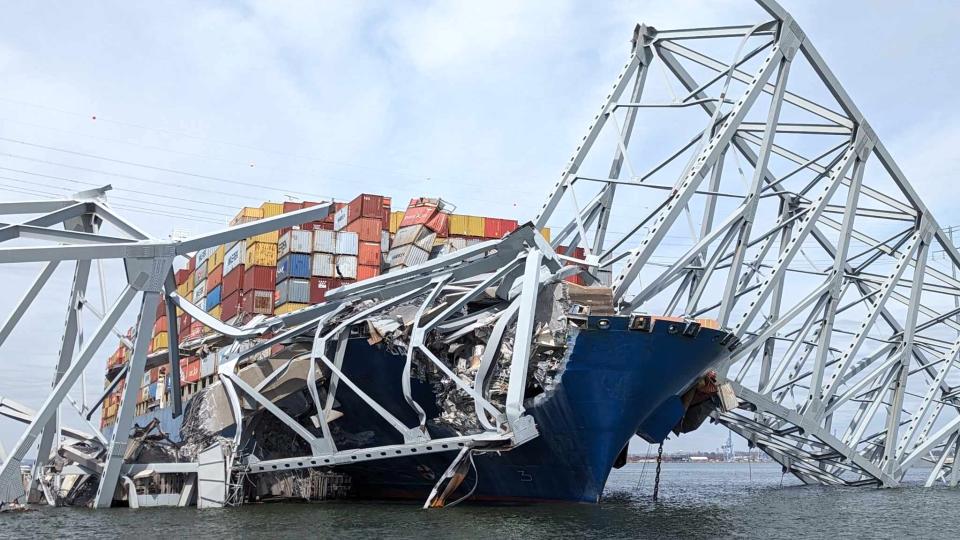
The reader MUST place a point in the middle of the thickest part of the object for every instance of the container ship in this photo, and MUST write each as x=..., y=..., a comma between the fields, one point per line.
x=617, y=376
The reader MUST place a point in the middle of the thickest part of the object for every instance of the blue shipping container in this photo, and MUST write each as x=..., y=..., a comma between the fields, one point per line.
x=293, y=265
x=213, y=298
x=153, y=390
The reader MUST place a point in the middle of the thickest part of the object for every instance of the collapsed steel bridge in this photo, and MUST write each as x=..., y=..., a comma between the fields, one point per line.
x=727, y=174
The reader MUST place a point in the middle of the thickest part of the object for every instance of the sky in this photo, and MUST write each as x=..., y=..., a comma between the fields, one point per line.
x=193, y=109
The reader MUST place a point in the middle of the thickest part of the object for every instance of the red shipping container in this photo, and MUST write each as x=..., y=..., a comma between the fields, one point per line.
x=366, y=271
x=182, y=275
x=195, y=330
x=263, y=278
x=230, y=306
x=290, y=206
x=192, y=264
x=257, y=301
x=189, y=370
x=319, y=287
x=323, y=225
x=154, y=374
x=417, y=215
x=367, y=229
x=160, y=325
x=365, y=206
x=183, y=323
x=440, y=224
x=233, y=281
x=215, y=277
x=498, y=228
x=385, y=219
x=161, y=307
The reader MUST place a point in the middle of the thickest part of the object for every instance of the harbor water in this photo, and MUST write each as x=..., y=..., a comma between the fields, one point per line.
x=708, y=500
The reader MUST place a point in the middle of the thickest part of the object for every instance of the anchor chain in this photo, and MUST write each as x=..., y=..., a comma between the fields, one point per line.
x=656, y=481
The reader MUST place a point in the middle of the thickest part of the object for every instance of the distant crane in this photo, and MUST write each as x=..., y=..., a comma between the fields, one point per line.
x=727, y=448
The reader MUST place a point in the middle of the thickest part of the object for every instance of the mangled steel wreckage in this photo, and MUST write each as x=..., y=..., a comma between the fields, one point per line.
x=482, y=373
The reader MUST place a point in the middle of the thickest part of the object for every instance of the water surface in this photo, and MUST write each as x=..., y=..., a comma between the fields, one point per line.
x=696, y=501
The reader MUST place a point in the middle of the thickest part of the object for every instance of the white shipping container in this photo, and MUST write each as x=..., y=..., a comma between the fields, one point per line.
x=208, y=365
x=294, y=241
x=322, y=265
x=293, y=290
x=200, y=292
x=340, y=218
x=324, y=241
x=346, y=267
x=235, y=257
x=457, y=243
x=425, y=241
x=203, y=255
x=348, y=243
x=407, y=256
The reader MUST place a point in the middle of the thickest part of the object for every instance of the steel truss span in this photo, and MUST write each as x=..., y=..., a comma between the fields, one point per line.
x=728, y=174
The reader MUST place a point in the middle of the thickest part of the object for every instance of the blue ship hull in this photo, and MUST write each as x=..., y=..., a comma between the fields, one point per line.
x=617, y=382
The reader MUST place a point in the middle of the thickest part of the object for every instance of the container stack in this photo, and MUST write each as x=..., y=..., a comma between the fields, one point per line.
x=292, y=290
x=424, y=221
x=360, y=256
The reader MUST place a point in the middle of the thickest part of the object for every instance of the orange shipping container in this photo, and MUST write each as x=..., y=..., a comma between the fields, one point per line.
x=215, y=277
x=369, y=254
x=367, y=229
x=366, y=271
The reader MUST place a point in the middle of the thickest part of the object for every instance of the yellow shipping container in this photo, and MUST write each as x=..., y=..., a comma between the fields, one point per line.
x=182, y=289
x=545, y=232
x=261, y=254
x=475, y=226
x=459, y=224
x=395, y=219
x=288, y=308
x=216, y=311
x=160, y=341
x=271, y=209
x=246, y=215
x=216, y=258
x=271, y=237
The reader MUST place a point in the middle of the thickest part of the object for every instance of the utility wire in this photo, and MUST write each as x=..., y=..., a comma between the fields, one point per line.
x=156, y=168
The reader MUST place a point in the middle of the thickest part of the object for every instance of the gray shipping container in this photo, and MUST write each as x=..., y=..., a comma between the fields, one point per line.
x=292, y=290
x=325, y=241
x=208, y=365
x=425, y=241
x=384, y=241
x=347, y=243
x=322, y=265
x=410, y=255
x=408, y=235
x=295, y=241
x=200, y=292
x=346, y=267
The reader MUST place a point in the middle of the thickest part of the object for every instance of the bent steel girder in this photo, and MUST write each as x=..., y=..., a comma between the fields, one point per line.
x=148, y=263
x=748, y=188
